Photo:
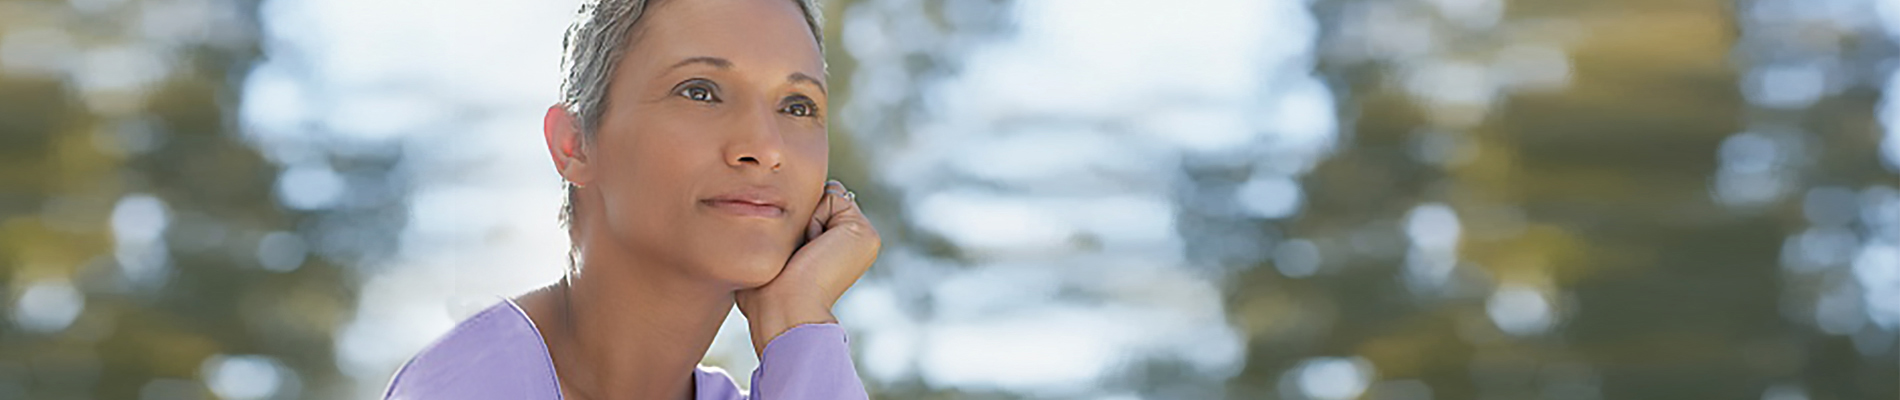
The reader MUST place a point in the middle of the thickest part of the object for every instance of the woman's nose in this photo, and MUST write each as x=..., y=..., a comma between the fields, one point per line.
x=756, y=142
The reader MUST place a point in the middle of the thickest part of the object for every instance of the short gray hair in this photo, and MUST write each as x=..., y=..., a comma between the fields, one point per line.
x=595, y=42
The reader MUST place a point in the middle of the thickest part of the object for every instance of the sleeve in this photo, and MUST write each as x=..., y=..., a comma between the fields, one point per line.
x=807, y=362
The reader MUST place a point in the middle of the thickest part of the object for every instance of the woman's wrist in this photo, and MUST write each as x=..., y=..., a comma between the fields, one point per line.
x=775, y=316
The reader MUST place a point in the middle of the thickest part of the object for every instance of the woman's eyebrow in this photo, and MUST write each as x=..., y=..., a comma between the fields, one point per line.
x=715, y=62
x=721, y=63
x=801, y=77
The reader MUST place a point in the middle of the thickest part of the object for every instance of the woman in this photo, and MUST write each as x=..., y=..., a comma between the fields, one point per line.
x=692, y=137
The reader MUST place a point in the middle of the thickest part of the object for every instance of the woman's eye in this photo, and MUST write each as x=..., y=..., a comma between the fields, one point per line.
x=697, y=92
x=800, y=109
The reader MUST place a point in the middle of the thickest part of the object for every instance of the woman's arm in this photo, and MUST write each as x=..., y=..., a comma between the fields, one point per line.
x=807, y=362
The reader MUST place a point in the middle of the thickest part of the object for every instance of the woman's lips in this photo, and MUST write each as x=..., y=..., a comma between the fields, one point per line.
x=744, y=208
x=750, y=201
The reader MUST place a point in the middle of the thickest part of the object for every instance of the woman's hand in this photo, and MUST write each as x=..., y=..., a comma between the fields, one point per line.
x=840, y=245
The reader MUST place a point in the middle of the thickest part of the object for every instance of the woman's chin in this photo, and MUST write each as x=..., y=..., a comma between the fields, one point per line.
x=743, y=259
x=751, y=272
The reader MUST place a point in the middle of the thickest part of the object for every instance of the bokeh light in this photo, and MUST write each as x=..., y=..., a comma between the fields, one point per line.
x=1302, y=199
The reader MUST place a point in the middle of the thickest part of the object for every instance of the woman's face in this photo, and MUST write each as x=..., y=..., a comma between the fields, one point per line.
x=711, y=154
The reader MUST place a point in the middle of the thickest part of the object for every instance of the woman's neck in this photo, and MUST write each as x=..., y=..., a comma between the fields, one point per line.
x=620, y=328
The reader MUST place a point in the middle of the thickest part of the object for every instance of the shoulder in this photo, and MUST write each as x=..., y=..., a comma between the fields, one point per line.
x=496, y=353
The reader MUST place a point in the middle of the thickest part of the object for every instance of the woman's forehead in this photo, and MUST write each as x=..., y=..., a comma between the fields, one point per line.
x=766, y=36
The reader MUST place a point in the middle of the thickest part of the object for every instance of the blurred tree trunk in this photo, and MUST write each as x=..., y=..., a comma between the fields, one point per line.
x=1596, y=194
x=131, y=127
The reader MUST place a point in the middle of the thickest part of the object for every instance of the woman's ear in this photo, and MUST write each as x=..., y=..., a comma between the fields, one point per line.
x=564, y=144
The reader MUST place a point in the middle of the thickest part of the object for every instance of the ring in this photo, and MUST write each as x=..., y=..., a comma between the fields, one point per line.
x=850, y=196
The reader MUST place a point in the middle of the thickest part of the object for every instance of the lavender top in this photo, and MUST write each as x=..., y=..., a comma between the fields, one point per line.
x=498, y=354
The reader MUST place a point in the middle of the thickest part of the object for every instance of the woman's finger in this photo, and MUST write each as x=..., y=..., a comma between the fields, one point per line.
x=813, y=227
x=826, y=207
x=843, y=206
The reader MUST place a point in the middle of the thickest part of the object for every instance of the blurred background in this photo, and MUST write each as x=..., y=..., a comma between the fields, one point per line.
x=1112, y=199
